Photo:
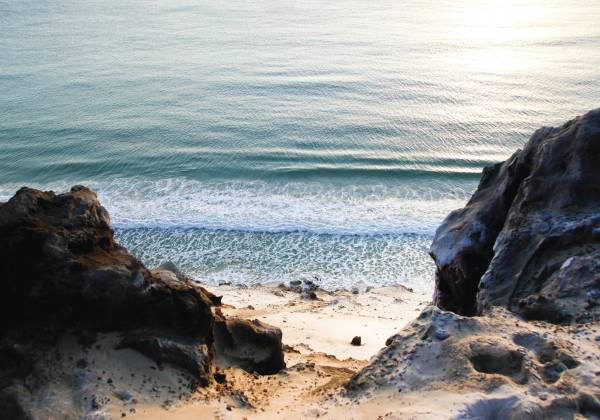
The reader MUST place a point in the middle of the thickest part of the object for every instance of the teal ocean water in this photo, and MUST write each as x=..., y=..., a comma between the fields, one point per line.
x=274, y=140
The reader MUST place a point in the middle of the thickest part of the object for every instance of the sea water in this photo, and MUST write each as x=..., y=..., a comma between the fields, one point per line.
x=267, y=141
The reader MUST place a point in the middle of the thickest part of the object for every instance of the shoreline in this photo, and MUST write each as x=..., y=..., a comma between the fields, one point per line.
x=89, y=332
x=328, y=323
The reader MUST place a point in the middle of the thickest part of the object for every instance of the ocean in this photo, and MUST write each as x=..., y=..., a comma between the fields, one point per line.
x=268, y=141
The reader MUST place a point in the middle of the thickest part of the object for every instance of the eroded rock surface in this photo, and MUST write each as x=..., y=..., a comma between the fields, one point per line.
x=529, y=238
x=523, y=256
x=522, y=368
x=188, y=354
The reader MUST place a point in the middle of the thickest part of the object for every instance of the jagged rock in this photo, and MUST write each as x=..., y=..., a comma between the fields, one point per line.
x=59, y=263
x=191, y=355
x=61, y=271
x=529, y=238
x=252, y=345
x=63, y=275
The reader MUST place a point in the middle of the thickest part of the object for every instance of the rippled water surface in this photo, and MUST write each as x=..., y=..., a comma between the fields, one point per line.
x=274, y=140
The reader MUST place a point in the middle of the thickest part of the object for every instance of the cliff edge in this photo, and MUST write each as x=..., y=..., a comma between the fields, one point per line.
x=514, y=332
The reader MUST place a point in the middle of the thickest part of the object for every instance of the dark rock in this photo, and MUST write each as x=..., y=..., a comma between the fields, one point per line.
x=168, y=404
x=95, y=403
x=59, y=263
x=309, y=286
x=62, y=272
x=356, y=341
x=529, y=238
x=251, y=345
x=310, y=295
x=10, y=407
x=186, y=353
x=220, y=377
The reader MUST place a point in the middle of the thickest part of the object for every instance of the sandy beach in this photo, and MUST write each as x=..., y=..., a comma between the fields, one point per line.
x=320, y=359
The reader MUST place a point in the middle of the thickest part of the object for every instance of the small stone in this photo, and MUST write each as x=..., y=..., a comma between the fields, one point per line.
x=124, y=395
x=310, y=295
x=81, y=363
x=356, y=341
x=441, y=334
x=355, y=291
x=94, y=404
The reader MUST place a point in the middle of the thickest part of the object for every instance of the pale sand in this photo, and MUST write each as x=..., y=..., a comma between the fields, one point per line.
x=328, y=325
x=319, y=357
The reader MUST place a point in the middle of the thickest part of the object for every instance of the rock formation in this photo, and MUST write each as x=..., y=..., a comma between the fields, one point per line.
x=529, y=238
x=59, y=264
x=524, y=256
x=495, y=366
x=63, y=273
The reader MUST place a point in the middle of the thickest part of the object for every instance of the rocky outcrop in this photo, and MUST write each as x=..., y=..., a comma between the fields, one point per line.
x=63, y=274
x=523, y=255
x=60, y=264
x=529, y=238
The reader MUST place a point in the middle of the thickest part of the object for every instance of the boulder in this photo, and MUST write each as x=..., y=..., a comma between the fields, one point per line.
x=252, y=345
x=62, y=272
x=529, y=238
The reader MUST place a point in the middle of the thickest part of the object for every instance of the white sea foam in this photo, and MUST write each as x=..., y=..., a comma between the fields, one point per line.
x=337, y=261
x=262, y=232
x=260, y=206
